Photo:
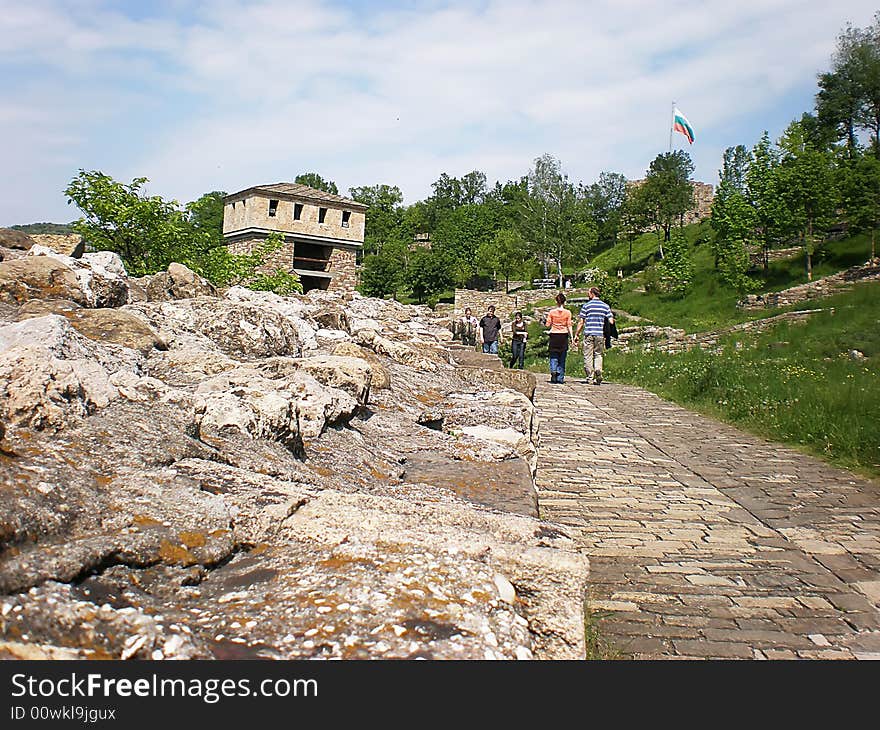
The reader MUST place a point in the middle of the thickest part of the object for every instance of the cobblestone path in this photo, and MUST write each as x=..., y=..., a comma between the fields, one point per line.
x=705, y=541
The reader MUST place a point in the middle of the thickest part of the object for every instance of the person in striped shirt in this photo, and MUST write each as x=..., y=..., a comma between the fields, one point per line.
x=591, y=319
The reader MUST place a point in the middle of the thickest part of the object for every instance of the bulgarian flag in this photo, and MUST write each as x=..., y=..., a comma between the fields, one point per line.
x=681, y=124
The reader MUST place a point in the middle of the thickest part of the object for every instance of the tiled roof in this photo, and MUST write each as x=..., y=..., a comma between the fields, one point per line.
x=296, y=190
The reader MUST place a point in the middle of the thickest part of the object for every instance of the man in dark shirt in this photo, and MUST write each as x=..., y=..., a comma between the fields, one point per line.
x=490, y=331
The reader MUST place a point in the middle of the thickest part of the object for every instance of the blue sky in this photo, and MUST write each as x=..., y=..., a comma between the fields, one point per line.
x=226, y=94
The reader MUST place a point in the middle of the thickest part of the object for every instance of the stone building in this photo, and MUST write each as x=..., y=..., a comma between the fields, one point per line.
x=322, y=232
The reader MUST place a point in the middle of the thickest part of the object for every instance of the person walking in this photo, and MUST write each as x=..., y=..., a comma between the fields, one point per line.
x=490, y=331
x=559, y=324
x=467, y=328
x=591, y=319
x=519, y=335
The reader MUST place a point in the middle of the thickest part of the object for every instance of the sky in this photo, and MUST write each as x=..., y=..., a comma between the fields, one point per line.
x=227, y=94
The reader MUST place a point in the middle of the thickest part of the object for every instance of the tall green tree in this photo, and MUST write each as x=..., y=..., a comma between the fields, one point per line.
x=382, y=273
x=384, y=217
x=458, y=236
x=668, y=193
x=428, y=273
x=733, y=219
x=505, y=254
x=314, y=180
x=860, y=193
x=762, y=192
x=633, y=219
x=676, y=269
x=605, y=198
x=146, y=231
x=849, y=94
x=554, y=219
x=807, y=189
x=205, y=215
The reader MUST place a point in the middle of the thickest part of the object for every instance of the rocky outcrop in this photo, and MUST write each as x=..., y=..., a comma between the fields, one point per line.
x=177, y=282
x=248, y=475
x=13, y=239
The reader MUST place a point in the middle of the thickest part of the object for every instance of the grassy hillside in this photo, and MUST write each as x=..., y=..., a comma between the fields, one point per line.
x=710, y=304
x=796, y=383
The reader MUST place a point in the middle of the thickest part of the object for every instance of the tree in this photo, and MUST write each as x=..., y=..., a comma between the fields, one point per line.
x=506, y=253
x=473, y=188
x=384, y=217
x=146, y=231
x=205, y=215
x=605, y=199
x=427, y=273
x=314, y=180
x=849, y=94
x=458, y=236
x=733, y=219
x=633, y=222
x=382, y=274
x=676, y=270
x=668, y=193
x=807, y=189
x=762, y=193
x=860, y=192
x=554, y=219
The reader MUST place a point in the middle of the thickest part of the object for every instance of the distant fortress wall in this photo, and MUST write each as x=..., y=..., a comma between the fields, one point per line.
x=704, y=194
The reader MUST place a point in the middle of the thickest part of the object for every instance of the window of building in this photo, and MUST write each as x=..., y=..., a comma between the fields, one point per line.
x=346, y=216
x=273, y=208
x=322, y=214
x=297, y=211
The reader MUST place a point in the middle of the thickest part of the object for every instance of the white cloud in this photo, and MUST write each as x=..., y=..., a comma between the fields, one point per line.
x=233, y=93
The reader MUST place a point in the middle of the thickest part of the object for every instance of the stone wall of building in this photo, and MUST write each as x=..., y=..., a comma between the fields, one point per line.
x=282, y=258
x=253, y=212
x=344, y=270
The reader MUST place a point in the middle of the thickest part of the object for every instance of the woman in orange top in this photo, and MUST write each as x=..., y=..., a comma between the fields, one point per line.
x=559, y=322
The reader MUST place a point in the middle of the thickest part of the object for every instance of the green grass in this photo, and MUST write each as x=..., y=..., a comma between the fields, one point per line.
x=709, y=304
x=794, y=383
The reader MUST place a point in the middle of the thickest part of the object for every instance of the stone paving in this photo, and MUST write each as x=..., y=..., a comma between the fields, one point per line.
x=704, y=541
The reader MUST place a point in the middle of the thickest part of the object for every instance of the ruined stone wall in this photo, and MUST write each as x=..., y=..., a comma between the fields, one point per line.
x=672, y=341
x=506, y=304
x=815, y=289
x=704, y=194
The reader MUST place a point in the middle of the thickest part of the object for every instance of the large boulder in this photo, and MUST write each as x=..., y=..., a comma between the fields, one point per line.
x=102, y=325
x=237, y=329
x=45, y=274
x=177, y=282
x=397, y=351
x=67, y=244
x=350, y=374
x=51, y=376
x=522, y=381
x=40, y=277
x=10, y=238
x=381, y=378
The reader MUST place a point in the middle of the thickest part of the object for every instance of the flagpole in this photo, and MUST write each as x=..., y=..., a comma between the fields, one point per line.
x=671, y=125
